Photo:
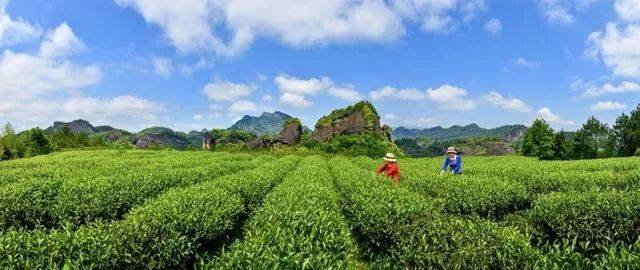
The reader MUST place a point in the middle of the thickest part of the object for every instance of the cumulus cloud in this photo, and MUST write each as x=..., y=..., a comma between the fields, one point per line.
x=628, y=10
x=618, y=48
x=546, y=114
x=298, y=101
x=493, y=26
x=607, y=106
x=220, y=91
x=197, y=117
x=101, y=109
x=293, y=85
x=346, y=93
x=450, y=97
x=38, y=88
x=60, y=42
x=15, y=31
x=401, y=94
x=24, y=76
x=242, y=106
x=162, y=66
x=193, y=25
x=509, y=104
x=591, y=89
x=296, y=91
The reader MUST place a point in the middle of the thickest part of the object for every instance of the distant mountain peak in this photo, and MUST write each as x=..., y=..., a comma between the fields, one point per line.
x=266, y=123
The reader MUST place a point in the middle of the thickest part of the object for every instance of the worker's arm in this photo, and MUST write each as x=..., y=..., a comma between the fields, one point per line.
x=381, y=169
x=446, y=164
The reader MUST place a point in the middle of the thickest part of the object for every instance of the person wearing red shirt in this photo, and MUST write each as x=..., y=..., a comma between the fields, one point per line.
x=390, y=169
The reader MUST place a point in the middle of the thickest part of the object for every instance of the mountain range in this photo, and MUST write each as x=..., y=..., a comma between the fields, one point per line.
x=508, y=132
x=269, y=124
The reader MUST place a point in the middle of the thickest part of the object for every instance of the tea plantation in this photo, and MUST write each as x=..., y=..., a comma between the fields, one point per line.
x=127, y=209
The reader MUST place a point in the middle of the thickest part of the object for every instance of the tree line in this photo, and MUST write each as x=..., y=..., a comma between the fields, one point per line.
x=594, y=139
x=35, y=142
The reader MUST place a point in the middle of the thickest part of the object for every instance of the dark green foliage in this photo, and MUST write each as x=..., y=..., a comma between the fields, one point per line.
x=34, y=143
x=562, y=147
x=590, y=218
x=369, y=112
x=369, y=144
x=477, y=146
x=538, y=140
x=223, y=136
x=591, y=140
x=626, y=133
x=64, y=138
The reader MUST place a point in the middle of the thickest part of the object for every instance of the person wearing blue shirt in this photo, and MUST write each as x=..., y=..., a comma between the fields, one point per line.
x=453, y=162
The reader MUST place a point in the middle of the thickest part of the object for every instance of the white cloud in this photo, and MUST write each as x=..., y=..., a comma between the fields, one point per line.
x=16, y=31
x=194, y=25
x=242, y=106
x=420, y=122
x=60, y=42
x=526, y=63
x=438, y=16
x=197, y=117
x=493, y=26
x=101, y=109
x=590, y=89
x=294, y=91
x=294, y=100
x=267, y=97
x=402, y=94
x=628, y=10
x=227, y=91
x=618, y=48
x=293, y=85
x=450, y=97
x=39, y=88
x=24, y=76
x=162, y=66
x=546, y=114
x=607, y=106
x=346, y=93
x=509, y=104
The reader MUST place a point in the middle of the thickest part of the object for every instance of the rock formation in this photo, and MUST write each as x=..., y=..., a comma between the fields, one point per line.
x=353, y=120
x=208, y=142
x=290, y=134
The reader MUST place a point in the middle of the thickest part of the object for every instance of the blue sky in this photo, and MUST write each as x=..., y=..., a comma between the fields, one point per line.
x=204, y=63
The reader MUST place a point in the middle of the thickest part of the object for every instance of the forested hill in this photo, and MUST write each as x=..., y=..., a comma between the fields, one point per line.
x=267, y=123
x=508, y=132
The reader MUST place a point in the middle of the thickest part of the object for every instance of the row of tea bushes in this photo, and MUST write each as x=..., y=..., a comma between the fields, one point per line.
x=299, y=226
x=79, y=200
x=164, y=233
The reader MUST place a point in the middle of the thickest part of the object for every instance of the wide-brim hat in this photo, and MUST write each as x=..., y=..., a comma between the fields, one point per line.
x=389, y=157
x=451, y=150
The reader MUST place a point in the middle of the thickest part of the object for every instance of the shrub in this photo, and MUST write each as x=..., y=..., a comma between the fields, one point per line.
x=590, y=218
